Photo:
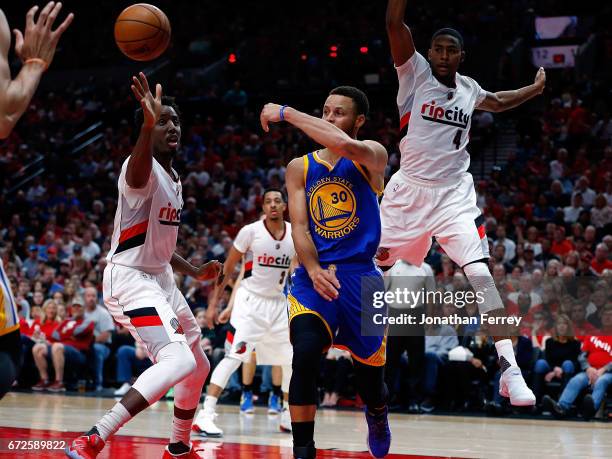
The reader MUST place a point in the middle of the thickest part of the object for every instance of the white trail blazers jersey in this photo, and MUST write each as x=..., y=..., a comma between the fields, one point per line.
x=267, y=259
x=147, y=221
x=438, y=120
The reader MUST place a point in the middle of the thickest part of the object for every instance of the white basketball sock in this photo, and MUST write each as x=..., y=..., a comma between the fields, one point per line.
x=505, y=350
x=112, y=421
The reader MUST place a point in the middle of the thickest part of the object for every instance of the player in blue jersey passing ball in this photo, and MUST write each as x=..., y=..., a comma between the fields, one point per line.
x=333, y=204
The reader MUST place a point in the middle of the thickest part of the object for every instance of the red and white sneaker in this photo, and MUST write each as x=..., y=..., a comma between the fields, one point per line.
x=40, y=385
x=57, y=386
x=512, y=385
x=85, y=447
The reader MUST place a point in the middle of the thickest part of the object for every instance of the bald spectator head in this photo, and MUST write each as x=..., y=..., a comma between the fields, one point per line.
x=90, y=296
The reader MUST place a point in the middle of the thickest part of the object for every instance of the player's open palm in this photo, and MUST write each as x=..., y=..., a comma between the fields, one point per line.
x=151, y=106
x=39, y=40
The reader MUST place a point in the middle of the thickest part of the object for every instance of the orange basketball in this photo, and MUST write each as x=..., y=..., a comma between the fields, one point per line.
x=142, y=32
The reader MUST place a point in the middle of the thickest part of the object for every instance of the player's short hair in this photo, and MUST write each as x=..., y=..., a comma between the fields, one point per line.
x=449, y=31
x=274, y=190
x=359, y=98
x=165, y=100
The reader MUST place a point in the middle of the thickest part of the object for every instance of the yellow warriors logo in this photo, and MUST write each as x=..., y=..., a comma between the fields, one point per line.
x=332, y=208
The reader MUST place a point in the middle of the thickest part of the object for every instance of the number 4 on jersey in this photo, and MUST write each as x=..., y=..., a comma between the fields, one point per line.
x=457, y=139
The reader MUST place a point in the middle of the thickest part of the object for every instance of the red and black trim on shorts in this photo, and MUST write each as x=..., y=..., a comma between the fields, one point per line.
x=144, y=317
x=248, y=269
x=133, y=236
x=480, y=226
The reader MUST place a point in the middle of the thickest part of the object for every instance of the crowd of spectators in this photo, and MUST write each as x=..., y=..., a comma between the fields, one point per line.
x=548, y=212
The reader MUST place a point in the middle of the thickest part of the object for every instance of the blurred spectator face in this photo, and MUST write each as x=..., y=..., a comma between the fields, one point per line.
x=600, y=201
x=201, y=318
x=48, y=275
x=501, y=232
x=578, y=313
x=61, y=312
x=525, y=284
x=532, y=234
x=86, y=237
x=608, y=241
x=78, y=311
x=583, y=293
x=49, y=237
x=528, y=254
x=599, y=298
x=33, y=252
x=58, y=297
x=50, y=310
x=36, y=312
x=448, y=309
x=38, y=298
x=90, y=296
x=577, y=200
x=227, y=243
x=546, y=245
x=38, y=287
x=590, y=233
x=66, y=236
x=601, y=252
x=556, y=187
x=559, y=234
x=524, y=301
x=571, y=259
x=274, y=205
x=517, y=272
x=537, y=276
x=562, y=327
x=499, y=273
x=24, y=288
x=499, y=252
x=568, y=272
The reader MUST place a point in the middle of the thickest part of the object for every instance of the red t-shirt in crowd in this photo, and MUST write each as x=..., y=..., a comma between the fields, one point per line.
x=47, y=328
x=77, y=333
x=562, y=248
x=600, y=267
x=598, y=349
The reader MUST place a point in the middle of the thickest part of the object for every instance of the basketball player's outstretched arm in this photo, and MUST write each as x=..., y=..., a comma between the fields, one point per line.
x=400, y=38
x=324, y=281
x=35, y=47
x=505, y=100
x=141, y=160
x=368, y=153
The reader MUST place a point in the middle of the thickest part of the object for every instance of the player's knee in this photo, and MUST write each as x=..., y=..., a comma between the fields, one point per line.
x=482, y=282
x=179, y=359
x=307, y=352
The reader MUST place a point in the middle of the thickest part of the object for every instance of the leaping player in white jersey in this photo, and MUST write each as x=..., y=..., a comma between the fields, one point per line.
x=259, y=313
x=433, y=194
x=139, y=287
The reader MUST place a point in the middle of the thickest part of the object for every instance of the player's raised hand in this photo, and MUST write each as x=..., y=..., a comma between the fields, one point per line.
x=151, y=106
x=540, y=79
x=209, y=270
x=270, y=113
x=39, y=41
x=325, y=283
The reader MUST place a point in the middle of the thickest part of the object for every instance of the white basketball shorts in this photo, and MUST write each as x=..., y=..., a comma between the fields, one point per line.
x=150, y=306
x=413, y=211
x=262, y=325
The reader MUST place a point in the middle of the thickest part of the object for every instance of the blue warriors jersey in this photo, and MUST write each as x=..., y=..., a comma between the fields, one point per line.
x=344, y=216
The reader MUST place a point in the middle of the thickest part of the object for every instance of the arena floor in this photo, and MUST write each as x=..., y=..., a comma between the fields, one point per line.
x=339, y=434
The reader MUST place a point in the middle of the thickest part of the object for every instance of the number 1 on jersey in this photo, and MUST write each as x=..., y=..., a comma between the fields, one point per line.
x=457, y=139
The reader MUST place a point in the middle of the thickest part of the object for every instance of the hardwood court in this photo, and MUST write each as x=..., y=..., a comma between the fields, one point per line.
x=341, y=433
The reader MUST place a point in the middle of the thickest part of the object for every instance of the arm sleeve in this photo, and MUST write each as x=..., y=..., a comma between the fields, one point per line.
x=410, y=74
x=244, y=238
x=135, y=197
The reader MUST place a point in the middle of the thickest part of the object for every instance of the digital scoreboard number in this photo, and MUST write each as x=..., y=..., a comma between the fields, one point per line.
x=554, y=57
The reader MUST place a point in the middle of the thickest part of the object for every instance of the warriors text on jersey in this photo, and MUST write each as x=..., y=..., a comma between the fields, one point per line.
x=267, y=259
x=343, y=209
x=9, y=320
x=147, y=221
x=438, y=119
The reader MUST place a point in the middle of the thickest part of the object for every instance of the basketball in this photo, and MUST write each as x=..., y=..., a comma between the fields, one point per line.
x=142, y=32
